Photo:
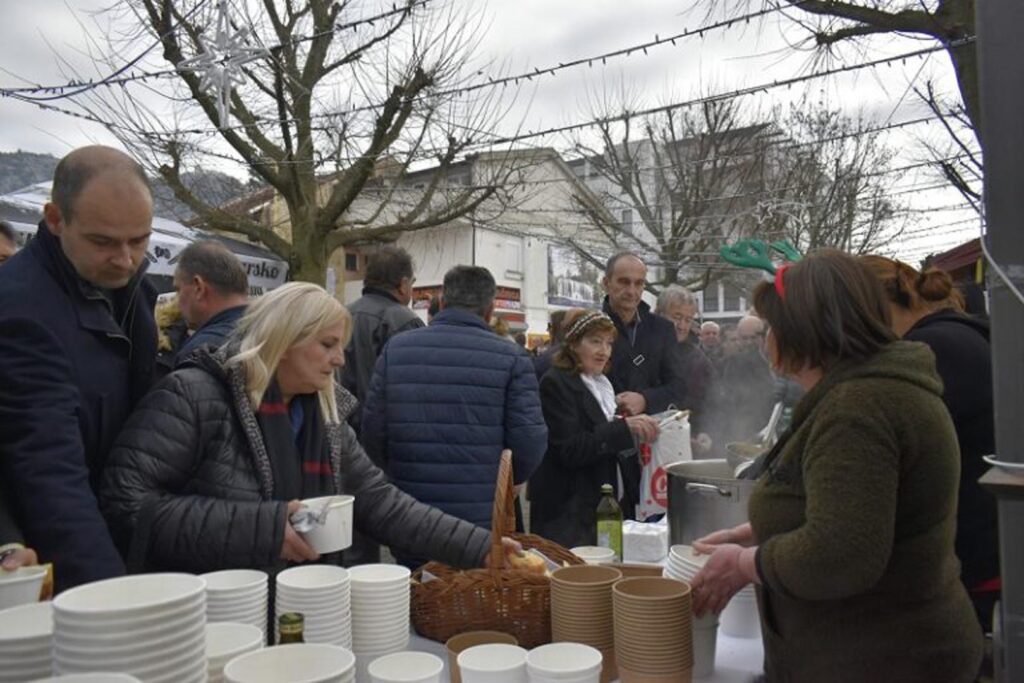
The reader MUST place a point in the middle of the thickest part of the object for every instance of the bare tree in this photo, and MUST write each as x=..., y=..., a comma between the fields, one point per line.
x=344, y=101
x=694, y=179
x=830, y=23
x=672, y=186
x=827, y=185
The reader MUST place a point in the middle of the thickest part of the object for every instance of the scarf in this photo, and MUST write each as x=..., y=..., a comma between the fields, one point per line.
x=296, y=443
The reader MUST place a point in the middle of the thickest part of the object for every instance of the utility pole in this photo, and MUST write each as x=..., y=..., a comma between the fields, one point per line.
x=1001, y=78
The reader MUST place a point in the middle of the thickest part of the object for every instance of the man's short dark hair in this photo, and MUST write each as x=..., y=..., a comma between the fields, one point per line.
x=215, y=263
x=435, y=306
x=609, y=267
x=555, y=325
x=75, y=171
x=7, y=232
x=386, y=267
x=469, y=287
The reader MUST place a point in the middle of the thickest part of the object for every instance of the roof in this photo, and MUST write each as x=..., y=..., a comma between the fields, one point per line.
x=956, y=258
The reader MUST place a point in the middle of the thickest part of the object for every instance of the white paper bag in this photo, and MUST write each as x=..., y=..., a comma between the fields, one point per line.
x=672, y=446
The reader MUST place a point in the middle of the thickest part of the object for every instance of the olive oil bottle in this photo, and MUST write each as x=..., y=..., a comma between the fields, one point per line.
x=609, y=522
x=289, y=628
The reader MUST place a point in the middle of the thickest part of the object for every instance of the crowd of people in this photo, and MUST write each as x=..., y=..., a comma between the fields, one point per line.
x=135, y=441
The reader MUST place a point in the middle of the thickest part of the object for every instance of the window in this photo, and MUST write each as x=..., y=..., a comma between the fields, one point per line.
x=352, y=262
x=627, y=221
x=711, y=298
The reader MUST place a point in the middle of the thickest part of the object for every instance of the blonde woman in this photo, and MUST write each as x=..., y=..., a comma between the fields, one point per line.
x=213, y=461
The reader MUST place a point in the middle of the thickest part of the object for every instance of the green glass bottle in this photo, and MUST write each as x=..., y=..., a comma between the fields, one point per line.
x=289, y=628
x=609, y=522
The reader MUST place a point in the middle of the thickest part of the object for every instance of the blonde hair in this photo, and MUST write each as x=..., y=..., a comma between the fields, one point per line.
x=289, y=315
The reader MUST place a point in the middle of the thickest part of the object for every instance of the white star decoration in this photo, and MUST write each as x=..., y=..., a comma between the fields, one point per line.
x=220, y=65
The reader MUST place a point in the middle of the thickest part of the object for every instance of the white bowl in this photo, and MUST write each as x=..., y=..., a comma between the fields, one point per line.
x=406, y=667
x=594, y=554
x=236, y=581
x=493, y=663
x=110, y=636
x=297, y=663
x=564, y=660
x=129, y=596
x=21, y=586
x=336, y=532
x=91, y=678
x=26, y=623
x=376, y=574
x=313, y=577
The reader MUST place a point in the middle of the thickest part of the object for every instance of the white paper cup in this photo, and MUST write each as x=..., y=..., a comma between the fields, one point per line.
x=493, y=663
x=594, y=554
x=336, y=532
x=21, y=586
x=406, y=667
x=564, y=662
x=740, y=618
x=705, y=642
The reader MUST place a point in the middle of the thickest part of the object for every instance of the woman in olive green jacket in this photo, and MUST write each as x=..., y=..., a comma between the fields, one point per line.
x=852, y=522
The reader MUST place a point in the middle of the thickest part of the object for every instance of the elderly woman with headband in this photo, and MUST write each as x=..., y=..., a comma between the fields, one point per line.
x=584, y=435
x=850, y=538
x=214, y=460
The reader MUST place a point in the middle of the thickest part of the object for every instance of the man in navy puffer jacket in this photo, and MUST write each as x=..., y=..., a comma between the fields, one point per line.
x=446, y=399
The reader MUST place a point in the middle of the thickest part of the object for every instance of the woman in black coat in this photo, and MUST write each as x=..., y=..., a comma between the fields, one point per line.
x=212, y=464
x=926, y=308
x=584, y=436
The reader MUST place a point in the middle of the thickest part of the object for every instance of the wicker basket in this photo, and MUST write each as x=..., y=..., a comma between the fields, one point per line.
x=492, y=599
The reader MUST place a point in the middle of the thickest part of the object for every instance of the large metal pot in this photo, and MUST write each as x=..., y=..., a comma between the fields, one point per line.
x=704, y=496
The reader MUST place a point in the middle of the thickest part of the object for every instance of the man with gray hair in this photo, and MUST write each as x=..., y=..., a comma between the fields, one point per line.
x=446, y=399
x=679, y=306
x=213, y=291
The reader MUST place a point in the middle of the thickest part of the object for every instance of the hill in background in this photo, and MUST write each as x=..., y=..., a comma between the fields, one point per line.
x=21, y=169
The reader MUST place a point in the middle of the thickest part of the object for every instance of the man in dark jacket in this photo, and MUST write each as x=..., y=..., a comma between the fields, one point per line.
x=446, y=399
x=647, y=366
x=647, y=370
x=77, y=351
x=213, y=291
x=378, y=315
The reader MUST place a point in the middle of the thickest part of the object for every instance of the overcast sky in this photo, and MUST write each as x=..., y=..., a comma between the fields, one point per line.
x=523, y=34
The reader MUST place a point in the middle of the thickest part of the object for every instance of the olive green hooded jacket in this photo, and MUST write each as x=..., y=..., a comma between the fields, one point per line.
x=856, y=519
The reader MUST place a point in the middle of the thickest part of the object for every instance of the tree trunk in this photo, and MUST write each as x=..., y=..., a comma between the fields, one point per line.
x=965, y=64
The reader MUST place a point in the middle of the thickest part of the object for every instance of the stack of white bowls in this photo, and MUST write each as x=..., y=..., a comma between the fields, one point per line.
x=152, y=626
x=238, y=596
x=380, y=611
x=225, y=641
x=306, y=662
x=26, y=638
x=683, y=564
x=564, y=663
x=321, y=594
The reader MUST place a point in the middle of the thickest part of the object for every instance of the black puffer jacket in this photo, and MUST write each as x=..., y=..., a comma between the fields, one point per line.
x=188, y=485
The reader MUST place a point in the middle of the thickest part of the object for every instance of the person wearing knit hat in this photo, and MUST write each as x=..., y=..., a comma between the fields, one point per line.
x=585, y=437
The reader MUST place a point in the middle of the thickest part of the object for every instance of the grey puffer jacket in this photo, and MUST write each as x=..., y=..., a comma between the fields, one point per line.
x=188, y=484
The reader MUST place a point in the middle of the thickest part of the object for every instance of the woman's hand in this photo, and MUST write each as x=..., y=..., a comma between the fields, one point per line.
x=742, y=534
x=644, y=427
x=295, y=548
x=19, y=557
x=510, y=547
x=729, y=569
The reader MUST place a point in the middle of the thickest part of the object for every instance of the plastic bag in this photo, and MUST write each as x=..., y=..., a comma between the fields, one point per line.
x=672, y=446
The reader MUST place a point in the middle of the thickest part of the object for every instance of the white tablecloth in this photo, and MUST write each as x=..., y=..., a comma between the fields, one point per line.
x=737, y=660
